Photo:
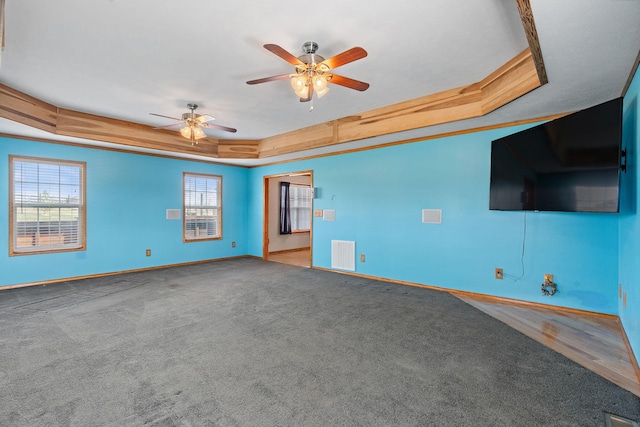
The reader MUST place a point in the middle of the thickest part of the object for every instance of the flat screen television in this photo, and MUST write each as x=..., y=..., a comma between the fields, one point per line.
x=571, y=164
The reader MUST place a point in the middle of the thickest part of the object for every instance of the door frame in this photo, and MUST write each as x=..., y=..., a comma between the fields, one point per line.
x=267, y=219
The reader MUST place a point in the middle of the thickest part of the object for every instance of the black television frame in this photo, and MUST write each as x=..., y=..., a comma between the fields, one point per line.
x=570, y=164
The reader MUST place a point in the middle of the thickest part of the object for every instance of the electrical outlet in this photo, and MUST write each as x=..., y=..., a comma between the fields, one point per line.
x=548, y=278
x=148, y=252
x=233, y=244
x=361, y=257
x=498, y=274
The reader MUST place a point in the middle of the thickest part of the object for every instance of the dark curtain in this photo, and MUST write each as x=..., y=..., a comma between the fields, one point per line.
x=285, y=209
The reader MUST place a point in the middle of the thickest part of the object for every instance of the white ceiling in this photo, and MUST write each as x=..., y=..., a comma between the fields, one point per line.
x=125, y=59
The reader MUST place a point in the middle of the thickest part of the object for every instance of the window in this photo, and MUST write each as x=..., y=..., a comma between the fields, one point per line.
x=46, y=203
x=300, y=206
x=202, y=207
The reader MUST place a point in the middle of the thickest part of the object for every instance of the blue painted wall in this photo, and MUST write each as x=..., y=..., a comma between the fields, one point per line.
x=378, y=196
x=127, y=198
x=630, y=220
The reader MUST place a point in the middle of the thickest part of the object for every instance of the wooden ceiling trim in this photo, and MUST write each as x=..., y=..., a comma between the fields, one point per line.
x=98, y=128
x=321, y=135
x=514, y=79
x=526, y=16
x=25, y=109
x=420, y=139
x=238, y=149
x=522, y=74
x=443, y=107
x=118, y=148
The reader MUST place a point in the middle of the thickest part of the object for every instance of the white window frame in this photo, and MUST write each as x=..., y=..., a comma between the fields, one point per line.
x=46, y=194
x=297, y=205
x=201, y=206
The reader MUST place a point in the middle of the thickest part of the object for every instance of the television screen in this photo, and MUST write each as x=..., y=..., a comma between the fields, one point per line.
x=570, y=164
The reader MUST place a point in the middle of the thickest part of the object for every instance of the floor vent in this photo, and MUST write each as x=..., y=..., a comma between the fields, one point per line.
x=343, y=255
x=617, y=421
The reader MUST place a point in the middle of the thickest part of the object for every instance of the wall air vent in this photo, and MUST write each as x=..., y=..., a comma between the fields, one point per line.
x=329, y=215
x=343, y=255
x=432, y=216
x=173, y=213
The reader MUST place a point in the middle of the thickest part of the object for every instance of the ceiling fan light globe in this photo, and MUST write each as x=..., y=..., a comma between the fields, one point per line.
x=322, y=92
x=302, y=93
x=186, y=132
x=320, y=85
x=319, y=82
x=298, y=82
x=198, y=133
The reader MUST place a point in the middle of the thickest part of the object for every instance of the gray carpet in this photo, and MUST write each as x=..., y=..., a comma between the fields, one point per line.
x=247, y=342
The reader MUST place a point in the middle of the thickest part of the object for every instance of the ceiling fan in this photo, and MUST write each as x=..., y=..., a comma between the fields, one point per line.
x=313, y=72
x=193, y=123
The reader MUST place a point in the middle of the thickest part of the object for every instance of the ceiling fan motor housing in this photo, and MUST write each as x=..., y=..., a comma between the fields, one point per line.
x=192, y=114
x=310, y=47
x=309, y=58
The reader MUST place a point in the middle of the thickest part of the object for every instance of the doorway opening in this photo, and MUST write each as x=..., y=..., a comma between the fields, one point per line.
x=288, y=210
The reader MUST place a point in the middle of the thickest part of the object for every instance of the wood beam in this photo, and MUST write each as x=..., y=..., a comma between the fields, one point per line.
x=316, y=136
x=30, y=111
x=238, y=149
x=98, y=128
x=526, y=16
x=514, y=79
x=447, y=106
x=25, y=109
x=510, y=81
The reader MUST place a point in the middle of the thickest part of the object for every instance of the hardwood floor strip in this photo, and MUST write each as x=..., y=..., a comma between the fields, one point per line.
x=300, y=258
x=595, y=342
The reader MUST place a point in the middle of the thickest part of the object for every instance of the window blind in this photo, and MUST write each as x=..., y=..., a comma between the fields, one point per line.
x=202, y=207
x=47, y=205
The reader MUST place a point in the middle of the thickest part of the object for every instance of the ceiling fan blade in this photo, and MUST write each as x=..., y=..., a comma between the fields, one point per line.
x=268, y=79
x=224, y=128
x=168, y=126
x=345, y=57
x=204, y=118
x=347, y=82
x=277, y=50
x=166, y=117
